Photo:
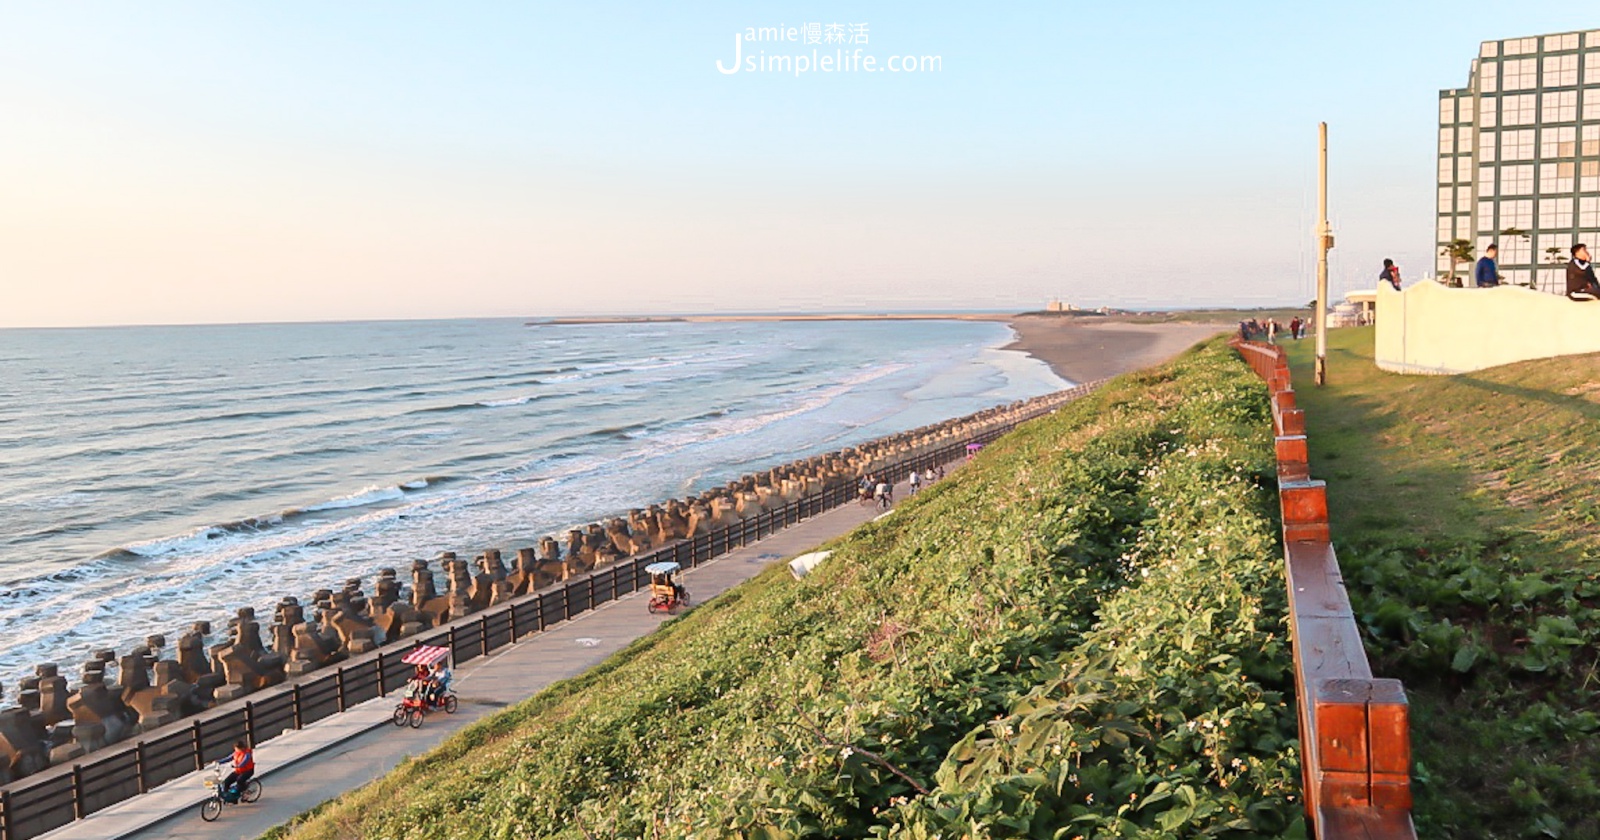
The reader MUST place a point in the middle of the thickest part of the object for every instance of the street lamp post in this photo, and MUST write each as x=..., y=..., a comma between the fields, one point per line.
x=1324, y=243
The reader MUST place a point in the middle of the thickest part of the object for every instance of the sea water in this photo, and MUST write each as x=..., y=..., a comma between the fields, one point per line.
x=155, y=476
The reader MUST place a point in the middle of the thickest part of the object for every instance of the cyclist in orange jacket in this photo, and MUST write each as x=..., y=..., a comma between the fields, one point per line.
x=244, y=766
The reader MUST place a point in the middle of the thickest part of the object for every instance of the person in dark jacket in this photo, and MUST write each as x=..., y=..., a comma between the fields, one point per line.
x=1580, y=275
x=1390, y=274
x=1487, y=273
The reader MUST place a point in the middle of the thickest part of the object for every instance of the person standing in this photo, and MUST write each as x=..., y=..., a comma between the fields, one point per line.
x=1272, y=331
x=1581, y=284
x=1294, y=328
x=1487, y=273
x=1390, y=274
x=916, y=482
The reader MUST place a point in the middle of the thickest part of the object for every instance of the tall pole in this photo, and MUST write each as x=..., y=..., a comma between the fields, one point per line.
x=1324, y=242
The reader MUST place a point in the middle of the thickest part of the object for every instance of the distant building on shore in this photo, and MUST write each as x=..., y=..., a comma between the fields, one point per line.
x=1519, y=157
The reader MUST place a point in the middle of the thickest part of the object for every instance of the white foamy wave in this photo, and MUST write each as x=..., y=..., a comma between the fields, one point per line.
x=509, y=401
x=361, y=498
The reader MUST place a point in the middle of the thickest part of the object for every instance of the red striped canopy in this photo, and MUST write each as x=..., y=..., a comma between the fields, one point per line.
x=425, y=655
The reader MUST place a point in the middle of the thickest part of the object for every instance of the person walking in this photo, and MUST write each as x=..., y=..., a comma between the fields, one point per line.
x=1487, y=272
x=1272, y=331
x=1294, y=328
x=1390, y=274
x=915, y=481
x=1581, y=284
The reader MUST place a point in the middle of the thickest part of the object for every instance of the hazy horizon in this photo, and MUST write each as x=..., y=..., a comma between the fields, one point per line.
x=198, y=164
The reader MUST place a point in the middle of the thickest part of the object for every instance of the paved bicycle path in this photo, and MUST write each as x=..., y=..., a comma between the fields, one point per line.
x=303, y=769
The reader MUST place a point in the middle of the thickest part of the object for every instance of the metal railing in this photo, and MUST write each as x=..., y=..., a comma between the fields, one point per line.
x=59, y=795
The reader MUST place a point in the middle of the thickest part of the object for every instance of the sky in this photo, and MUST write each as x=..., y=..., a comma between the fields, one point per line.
x=219, y=162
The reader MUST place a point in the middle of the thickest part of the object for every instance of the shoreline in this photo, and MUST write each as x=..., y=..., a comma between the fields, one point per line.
x=1083, y=351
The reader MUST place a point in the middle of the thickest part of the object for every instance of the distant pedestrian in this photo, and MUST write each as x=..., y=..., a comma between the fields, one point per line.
x=941, y=472
x=1390, y=274
x=1272, y=331
x=915, y=482
x=1487, y=271
x=1244, y=330
x=1294, y=327
x=929, y=477
x=1581, y=284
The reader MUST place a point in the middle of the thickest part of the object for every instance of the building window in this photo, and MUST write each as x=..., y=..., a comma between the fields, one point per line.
x=1521, y=74
x=1555, y=212
x=1488, y=76
x=1517, y=180
x=1559, y=241
x=1516, y=250
x=1556, y=177
x=1558, y=142
x=1555, y=43
x=1560, y=70
x=1591, y=105
x=1447, y=110
x=1589, y=176
x=1560, y=106
x=1446, y=231
x=1486, y=147
x=1516, y=145
x=1516, y=214
x=1591, y=68
x=1447, y=141
x=1521, y=46
x=1447, y=170
x=1485, y=219
x=1518, y=110
x=1591, y=141
x=1486, y=112
x=1589, y=211
x=1486, y=181
x=1592, y=39
x=1464, y=201
x=1489, y=49
x=1447, y=199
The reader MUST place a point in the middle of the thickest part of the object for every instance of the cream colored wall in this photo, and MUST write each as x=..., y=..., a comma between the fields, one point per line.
x=1430, y=328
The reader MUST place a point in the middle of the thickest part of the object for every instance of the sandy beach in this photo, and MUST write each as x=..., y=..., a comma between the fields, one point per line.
x=1081, y=350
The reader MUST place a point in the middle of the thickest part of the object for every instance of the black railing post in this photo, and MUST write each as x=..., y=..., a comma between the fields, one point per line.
x=78, y=809
x=7, y=823
x=483, y=634
x=139, y=769
x=338, y=686
x=294, y=696
x=383, y=676
x=513, y=619
x=250, y=723
x=199, y=748
x=452, y=641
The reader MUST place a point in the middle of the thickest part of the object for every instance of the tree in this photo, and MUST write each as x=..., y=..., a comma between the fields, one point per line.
x=1458, y=251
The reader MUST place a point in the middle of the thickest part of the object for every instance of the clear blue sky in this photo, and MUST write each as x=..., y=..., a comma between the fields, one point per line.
x=211, y=161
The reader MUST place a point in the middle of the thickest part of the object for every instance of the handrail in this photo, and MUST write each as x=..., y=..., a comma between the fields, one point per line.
x=1354, y=728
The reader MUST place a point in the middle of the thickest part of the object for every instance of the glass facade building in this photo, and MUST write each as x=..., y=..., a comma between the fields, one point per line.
x=1519, y=156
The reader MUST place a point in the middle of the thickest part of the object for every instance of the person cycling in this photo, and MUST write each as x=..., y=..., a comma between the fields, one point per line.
x=244, y=766
x=438, y=683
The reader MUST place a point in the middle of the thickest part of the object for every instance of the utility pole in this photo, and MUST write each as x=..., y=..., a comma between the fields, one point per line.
x=1324, y=243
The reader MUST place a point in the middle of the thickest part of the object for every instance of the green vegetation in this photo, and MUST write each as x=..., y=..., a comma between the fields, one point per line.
x=1080, y=634
x=1465, y=512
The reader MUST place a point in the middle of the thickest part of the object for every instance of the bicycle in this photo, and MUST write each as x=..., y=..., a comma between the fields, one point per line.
x=211, y=809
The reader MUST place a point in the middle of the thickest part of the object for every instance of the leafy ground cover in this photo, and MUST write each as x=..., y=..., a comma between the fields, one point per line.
x=1082, y=634
x=1464, y=509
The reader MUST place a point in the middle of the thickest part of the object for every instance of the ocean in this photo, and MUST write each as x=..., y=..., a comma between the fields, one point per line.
x=155, y=476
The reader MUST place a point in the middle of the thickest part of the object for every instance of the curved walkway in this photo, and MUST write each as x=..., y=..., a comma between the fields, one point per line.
x=303, y=769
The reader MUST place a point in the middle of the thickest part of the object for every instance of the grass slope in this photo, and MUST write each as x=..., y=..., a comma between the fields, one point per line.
x=1080, y=634
x=1465, y=511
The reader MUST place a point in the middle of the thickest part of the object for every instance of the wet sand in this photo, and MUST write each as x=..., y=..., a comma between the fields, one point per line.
x=1081, y=351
